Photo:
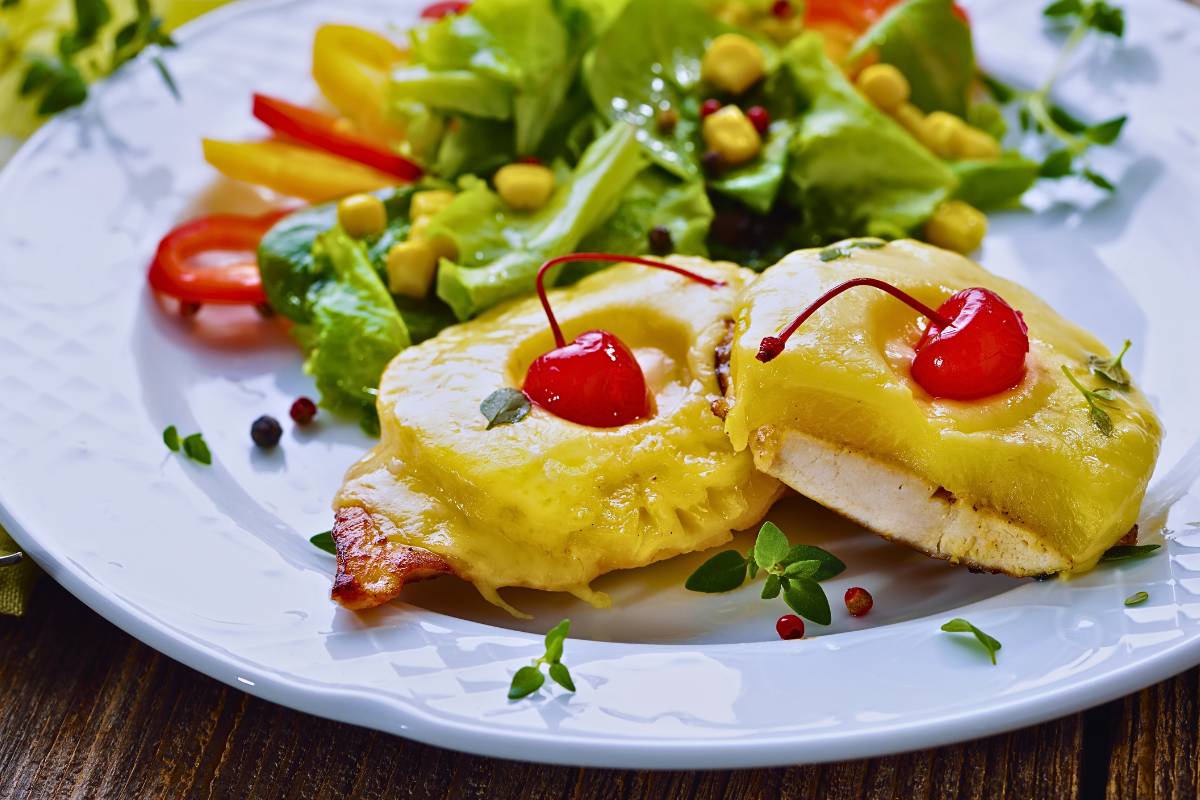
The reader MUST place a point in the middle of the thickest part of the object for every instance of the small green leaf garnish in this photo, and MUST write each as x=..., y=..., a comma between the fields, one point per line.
x=844, y=249
x=1129, y=552
x=528, y=680
x=195, y=448
x=562, y=676
x=171, y=438
x=504, y=407
x=1100, y=417
x=791, y=571
x=724, y=572
x=1136, y=599
x=1056, y=165
x=325, y=542
x=1111, y=369
x=771, y=546
x=960, y=625
x=806, y=597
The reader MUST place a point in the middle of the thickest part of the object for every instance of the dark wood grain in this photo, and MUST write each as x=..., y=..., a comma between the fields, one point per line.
x=89, y=712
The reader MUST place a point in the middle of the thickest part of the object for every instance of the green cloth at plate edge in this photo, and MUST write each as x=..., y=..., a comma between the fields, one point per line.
x=16, y=582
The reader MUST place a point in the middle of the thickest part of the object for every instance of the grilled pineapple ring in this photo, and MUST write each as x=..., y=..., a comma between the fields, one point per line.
x=1022, y=482
x=545, y=503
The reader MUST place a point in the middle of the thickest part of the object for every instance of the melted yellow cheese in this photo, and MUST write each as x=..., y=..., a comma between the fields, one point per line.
x=1032, y=454
x=546, y=503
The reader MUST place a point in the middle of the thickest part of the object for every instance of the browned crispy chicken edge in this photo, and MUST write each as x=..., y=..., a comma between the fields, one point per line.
x=371, y=568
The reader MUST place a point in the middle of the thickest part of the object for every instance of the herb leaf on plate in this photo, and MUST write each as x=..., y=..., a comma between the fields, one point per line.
x=1129, y=552
x=324, y=541
x=793, y=571
x=960, y=625
x=1137, y=599
x=171, y=438
x=529, y=679
x=195, y=448
x=1112, y=369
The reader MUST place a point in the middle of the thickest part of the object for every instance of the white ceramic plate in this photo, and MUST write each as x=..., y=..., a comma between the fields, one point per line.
x=212, y=565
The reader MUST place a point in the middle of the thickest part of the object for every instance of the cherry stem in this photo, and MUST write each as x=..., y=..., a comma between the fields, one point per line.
x=772, y=346
x=559, y=341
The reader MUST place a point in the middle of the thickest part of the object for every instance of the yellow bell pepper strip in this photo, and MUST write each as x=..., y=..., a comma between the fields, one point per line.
x=293, y=170
x=351, y=66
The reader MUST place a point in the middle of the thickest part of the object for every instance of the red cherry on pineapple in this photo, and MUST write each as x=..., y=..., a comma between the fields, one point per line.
x=759, y=117
x=975, y=344
x=981, y=352
x=595, y=380
x=789, y=626
x=709, y=107
x=858, y=601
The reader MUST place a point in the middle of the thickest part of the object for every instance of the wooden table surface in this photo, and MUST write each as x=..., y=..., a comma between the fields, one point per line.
x=90, y=712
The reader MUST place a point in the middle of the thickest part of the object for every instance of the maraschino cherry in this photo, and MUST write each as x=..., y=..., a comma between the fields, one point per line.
x=595, y=380
x=974, y=346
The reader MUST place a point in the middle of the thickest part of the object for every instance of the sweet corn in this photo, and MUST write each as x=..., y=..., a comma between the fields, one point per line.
x=884, y=85
x=782, y=30
x=362, y=215
x=443, y=246
x=956, y=226
x=975, y=144
x=733, y=63
x=430, y=202
x=525, y=187
x=410, y=268
x=940, y=132
x=912, y=118
x=731, y=135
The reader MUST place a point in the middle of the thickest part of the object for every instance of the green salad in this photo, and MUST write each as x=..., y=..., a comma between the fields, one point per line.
x=546, y=127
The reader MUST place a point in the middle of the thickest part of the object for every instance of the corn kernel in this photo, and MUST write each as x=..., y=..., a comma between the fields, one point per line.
x=525, y=187
x=734, y=13
x=443, y=246
x=782, y=30
x=362, y=215
x=941, y=130
x=733, y=63
x=731, y=135
x=410, y=268
x=884, y=85
x=430, y=202
x=975, y=144
x=912, y=118
x=956, y=226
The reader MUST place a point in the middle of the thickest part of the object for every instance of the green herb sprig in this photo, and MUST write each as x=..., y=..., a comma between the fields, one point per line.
x=960, y=625
x=1068, y=138
x=1129, y=552
x=793, y=571
x=504, y=407
x=1137, y=599
x=528, y=680
x=1094, y=397
x=193, y=446
x=835, y=251
x=1111, y=369
x=58, y=81
x=324, y=541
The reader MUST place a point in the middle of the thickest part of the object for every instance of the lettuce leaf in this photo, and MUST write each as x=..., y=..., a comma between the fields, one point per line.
x=654, y=198
x=354, y=328
x=852, y=168
x=500, y=250
x=931, y=45
x=523, y=54
x=647, y=60
x=756, y=184
x=994, y=184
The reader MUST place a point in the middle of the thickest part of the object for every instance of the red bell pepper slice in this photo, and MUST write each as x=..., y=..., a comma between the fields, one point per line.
x=321, y=131
x=233, y=281
x=857, y=15
x=444, y=9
